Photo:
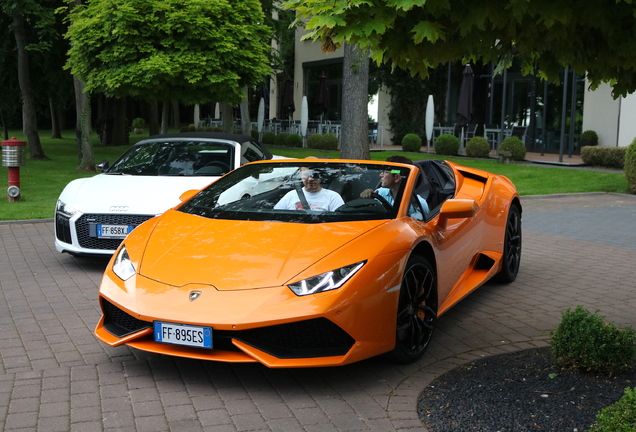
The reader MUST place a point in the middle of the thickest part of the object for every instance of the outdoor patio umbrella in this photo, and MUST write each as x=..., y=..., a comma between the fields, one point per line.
x=465, y=104
x=304, y=119
x=287, y=98
x=430, y=117
x=322, y=96
x=261, y=118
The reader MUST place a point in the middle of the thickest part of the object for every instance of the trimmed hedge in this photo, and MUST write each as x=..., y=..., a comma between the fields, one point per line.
x=588, y=138
x=618, y=417
x=447, y=145
x=411, y=143
x=585, y=343
x=314, y=141
x=294, y=140
x=515, y=146
x=330, y=142
x=281, y=139
x=607, y=157
x=630, y=166
x=269, y=137
x=478, y=147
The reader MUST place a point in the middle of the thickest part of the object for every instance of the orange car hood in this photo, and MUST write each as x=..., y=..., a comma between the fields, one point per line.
x=233, y=255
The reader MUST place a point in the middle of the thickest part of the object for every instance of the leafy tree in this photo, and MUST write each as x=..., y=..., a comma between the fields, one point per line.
x=594, y=37
x=191, y=52
x=29, y=15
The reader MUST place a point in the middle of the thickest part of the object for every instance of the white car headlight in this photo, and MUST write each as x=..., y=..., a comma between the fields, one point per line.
x=327, y=281
x=65, y=209
x=123, y=266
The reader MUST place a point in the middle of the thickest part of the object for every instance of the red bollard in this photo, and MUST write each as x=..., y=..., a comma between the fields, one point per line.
x=13, y=157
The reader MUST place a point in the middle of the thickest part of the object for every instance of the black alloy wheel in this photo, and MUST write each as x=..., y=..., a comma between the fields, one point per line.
x=417, y=311
x=512, y=247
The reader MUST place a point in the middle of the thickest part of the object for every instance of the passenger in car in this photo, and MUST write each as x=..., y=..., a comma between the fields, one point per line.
x=312, y=196
x=390, y=185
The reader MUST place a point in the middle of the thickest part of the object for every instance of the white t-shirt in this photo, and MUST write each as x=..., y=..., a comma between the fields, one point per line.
x=323, y=200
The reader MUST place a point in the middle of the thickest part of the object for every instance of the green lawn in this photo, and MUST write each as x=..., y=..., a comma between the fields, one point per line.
x=41, y=182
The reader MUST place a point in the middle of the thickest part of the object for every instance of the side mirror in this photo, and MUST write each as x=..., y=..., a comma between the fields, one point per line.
x=188, y=194
x=456, y=209
x=103, y=166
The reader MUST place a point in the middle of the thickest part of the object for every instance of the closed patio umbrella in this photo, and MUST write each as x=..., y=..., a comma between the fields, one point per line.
x=465, y=104
x=322, y=96
x=287, y=99
x=430, y=117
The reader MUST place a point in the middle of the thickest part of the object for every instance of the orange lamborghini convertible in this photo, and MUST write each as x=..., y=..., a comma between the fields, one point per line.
x=296, y=263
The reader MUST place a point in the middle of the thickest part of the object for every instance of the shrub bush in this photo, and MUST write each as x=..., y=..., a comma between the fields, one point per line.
x=314, y=141
x=478, y=147
x=138, y=123
x=630, y=166
x=269, y=137
x=329, y=142
x=294, y=140
x=618, y=417
x=280, y=139
x=515, y=146
x=588, y=138
x=584, y=343
x=411, y=143
x=254, y=134
x=447, y=144
x=608, y=157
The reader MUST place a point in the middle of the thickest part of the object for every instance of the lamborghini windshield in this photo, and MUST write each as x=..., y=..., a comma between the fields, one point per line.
x=302, y=191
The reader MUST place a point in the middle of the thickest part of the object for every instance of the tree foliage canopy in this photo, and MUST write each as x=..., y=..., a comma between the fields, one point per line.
x=597, y=37
x=192, y=52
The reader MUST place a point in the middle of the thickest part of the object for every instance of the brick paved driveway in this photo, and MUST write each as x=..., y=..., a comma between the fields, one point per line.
x=55, y=376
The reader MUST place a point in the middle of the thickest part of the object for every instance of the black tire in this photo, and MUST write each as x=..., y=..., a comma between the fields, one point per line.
x=511, y=259
x=416, y=312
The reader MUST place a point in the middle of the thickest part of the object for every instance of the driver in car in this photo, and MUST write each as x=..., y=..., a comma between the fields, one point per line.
x=390, y=185
x=315, y=197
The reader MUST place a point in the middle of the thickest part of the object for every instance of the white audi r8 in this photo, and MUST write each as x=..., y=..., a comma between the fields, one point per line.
x=93, y=215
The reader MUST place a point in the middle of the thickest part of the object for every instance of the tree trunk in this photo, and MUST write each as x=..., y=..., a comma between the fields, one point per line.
x=4, y=126
x=55, y=120
x=165, y=116
x=354, y=132
x=227, y=115
x=83, y=129
x=113, y=124
x=176, y=118
x=246, y=122
x=29, y=118
x=121, y=124
x=153, y=121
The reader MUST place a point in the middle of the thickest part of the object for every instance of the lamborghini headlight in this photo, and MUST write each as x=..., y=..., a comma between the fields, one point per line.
x=65, y=209
x=327, y=281
x=123, y=266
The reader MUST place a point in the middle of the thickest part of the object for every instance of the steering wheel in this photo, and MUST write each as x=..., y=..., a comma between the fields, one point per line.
x=225, y=167
x=387, y=205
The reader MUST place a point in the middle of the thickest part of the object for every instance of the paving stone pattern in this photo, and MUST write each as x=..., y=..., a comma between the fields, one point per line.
x=55, y=376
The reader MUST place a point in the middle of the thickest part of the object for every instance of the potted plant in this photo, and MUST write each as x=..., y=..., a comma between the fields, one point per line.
x=138, y=125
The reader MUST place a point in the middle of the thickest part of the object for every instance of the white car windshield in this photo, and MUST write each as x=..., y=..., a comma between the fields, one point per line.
x=176, y=158
x=301, y=191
